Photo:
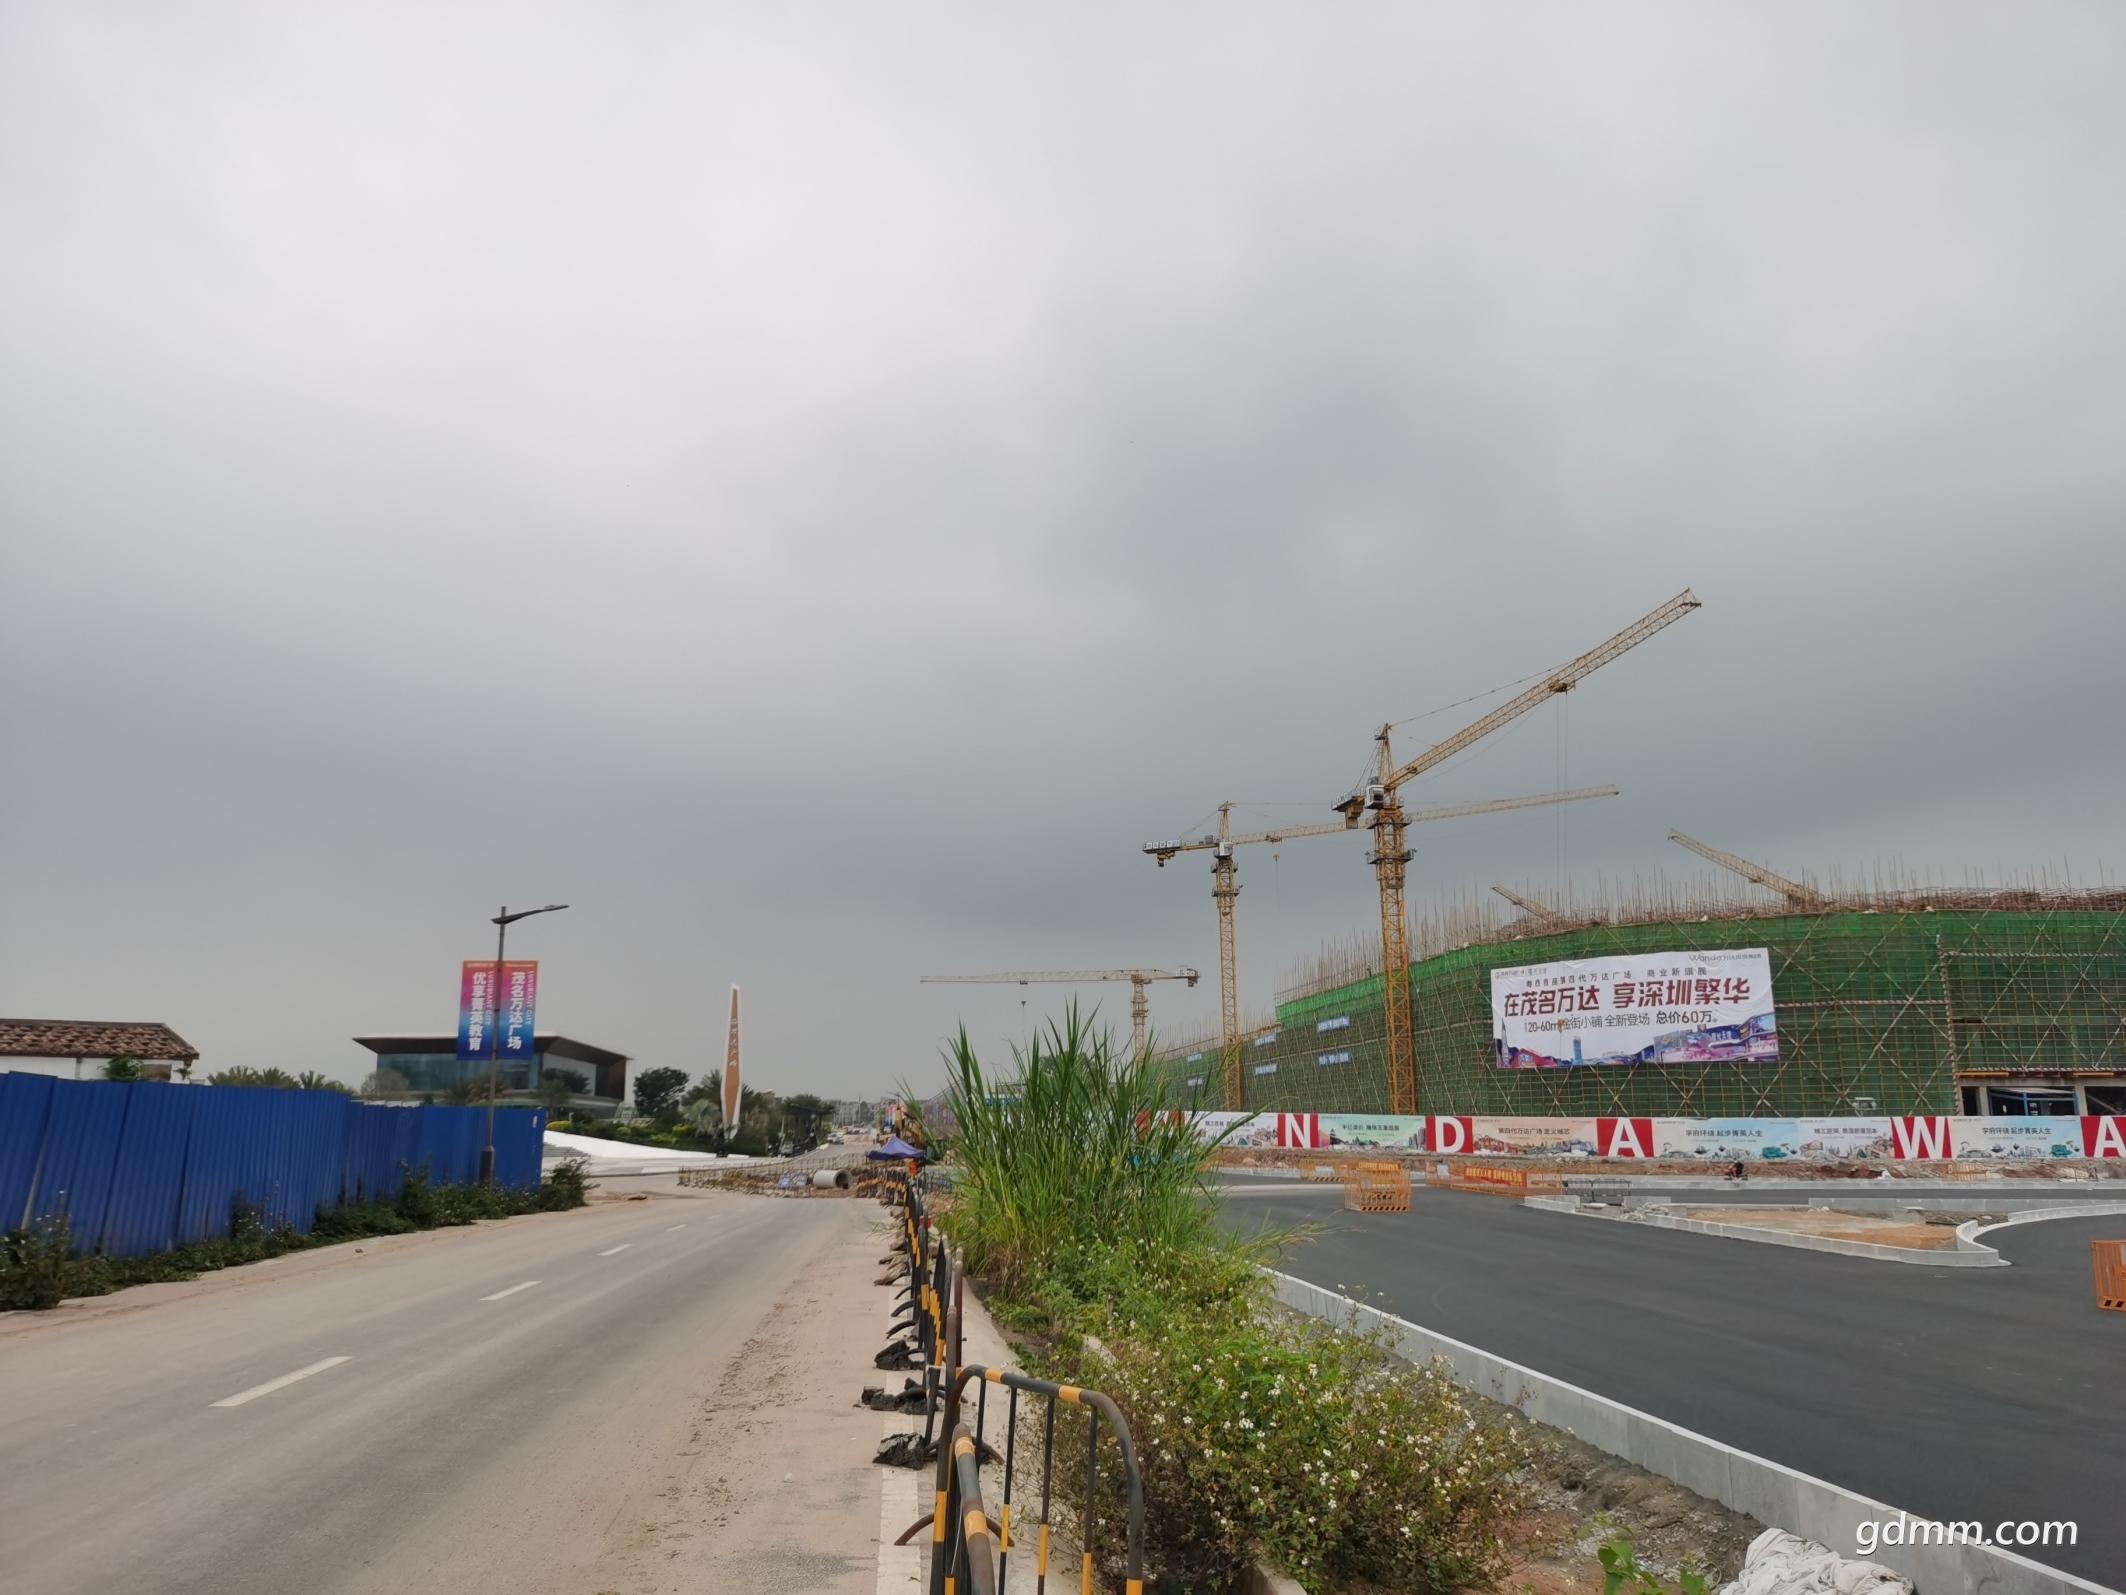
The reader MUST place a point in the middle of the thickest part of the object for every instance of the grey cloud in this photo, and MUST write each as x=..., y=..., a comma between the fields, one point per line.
x=818, y=490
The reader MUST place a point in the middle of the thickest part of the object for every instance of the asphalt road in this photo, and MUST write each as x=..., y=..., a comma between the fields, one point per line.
x=602, y=1400
x=1951, y=1393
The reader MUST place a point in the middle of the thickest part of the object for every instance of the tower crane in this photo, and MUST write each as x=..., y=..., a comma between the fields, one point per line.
x=1140, y=1006
x=1540, y=917
x=1225, y=891
x=1793, y=891
x=1381, y=798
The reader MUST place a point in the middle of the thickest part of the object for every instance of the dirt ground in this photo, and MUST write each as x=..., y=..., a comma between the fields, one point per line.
x=1918, y=1235
x=1584, y=1497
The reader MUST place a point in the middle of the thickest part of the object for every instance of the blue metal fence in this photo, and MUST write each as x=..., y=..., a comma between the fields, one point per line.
x=140, y=1166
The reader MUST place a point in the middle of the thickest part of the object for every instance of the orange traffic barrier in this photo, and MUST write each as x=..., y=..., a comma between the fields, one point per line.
x=1505, y=1181
x=1377, y=1188
x=2110, y=1258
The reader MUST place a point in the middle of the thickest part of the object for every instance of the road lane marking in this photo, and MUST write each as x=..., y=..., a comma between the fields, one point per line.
x=670, y=1227
x=498, y=1295
x=611, y=1250
x=281, y=1383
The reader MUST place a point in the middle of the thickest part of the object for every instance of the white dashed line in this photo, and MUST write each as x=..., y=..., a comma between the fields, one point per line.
x=670, y=1227
x=282, y=1382
x=611, y=1250
x=498, y=1295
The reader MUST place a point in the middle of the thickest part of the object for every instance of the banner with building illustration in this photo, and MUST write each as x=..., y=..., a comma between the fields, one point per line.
x=1711, y=1006
x=1711, y=1141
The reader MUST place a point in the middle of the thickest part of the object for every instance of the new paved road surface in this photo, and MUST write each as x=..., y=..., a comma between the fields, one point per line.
x=630, y=1398
x=1952, y=1393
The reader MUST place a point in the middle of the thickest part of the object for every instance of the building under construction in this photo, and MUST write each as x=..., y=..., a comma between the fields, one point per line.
x=1890, y=999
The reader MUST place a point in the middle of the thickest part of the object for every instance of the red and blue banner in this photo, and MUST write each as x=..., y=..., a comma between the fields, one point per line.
x=476, y=1008
x=483, y=1009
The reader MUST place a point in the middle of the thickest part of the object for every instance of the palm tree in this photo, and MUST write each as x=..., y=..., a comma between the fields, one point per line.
x=240, y=1074
x=311, y=1080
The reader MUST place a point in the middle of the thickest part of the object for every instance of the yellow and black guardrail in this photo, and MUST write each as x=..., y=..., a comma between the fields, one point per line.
x=969, y=1553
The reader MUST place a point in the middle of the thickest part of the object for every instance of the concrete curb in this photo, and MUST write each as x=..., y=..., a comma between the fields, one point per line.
x=1775, y=1495
x=1968, y=1232
x=1653, y=1218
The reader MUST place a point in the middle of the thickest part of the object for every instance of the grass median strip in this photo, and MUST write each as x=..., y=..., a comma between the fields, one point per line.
x=281, y=1383
x=1087, y=1212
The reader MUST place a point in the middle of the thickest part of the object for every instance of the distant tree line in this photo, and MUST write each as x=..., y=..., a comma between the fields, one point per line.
x=674, y=1109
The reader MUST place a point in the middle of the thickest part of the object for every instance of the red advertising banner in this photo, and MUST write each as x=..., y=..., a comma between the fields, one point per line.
x=1624, y=1138
x=1301, y=1130
x=1450, y=1132
x=2103, y=1136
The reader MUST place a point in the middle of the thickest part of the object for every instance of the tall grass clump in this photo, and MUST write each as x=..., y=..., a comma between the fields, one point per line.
x=1076, y=1144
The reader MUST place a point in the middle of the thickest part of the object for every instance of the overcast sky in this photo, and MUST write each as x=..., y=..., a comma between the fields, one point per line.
x=817, y=487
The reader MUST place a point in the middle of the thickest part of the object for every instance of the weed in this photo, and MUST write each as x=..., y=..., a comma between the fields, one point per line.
x=565, y=1186
x=33, y=1262
x=1074, y=1147
x=1624, y=1574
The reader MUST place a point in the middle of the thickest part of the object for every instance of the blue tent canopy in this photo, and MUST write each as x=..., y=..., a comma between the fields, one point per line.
x=895, y=1147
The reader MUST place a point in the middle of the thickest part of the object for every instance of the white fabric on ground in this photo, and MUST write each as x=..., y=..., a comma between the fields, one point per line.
x=1779, y=1563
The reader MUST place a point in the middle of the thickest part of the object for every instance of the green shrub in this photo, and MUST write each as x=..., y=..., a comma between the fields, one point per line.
x=748, y=1140
x=36, y=1270
x=355, y=1220
x=1074, y=1147
x=1311, y=1447
x=33, y=1263
x=417, y=1198
x=564, y=1186
x=1259, y=1437
x=1623, y=1572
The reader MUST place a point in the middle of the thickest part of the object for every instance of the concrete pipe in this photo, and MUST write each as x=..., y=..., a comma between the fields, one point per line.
x=830, y=1179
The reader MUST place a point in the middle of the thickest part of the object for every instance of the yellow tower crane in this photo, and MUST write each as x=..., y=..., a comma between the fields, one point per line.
x=1793, y=891
x=1380, y=798
x=1140, y=1006
x=1225, y=891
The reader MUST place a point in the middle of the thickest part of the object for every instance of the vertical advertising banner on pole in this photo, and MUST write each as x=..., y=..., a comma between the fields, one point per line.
x=1711, y=1006
x=481, y=1009
x=520, y=994
x=476, y=1008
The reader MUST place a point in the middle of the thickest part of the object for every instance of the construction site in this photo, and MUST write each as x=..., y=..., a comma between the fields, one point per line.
x=1890, y=1000
x=1889, y=996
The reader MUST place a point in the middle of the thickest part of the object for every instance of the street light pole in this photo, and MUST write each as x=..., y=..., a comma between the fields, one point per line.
x=502, y=922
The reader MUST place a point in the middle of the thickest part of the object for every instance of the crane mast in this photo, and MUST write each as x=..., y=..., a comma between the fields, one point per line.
x=1391, y=858
x=1225, y=892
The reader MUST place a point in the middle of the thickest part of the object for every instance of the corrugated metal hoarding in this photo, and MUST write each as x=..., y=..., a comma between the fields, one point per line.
x=141, y=1166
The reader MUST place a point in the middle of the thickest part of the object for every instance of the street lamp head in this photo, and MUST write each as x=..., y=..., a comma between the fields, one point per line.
x=507, y=918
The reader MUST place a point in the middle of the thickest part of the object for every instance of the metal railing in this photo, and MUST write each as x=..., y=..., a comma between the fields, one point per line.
x=969, y=1553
